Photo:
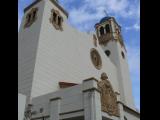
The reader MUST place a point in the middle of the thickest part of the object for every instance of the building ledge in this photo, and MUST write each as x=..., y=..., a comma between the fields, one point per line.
x=128, y=109
x=66, y=84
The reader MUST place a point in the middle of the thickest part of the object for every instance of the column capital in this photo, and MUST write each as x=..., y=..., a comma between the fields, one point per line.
x=90, y=84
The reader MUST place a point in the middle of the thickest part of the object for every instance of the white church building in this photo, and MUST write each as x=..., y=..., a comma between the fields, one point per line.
x=64, y=74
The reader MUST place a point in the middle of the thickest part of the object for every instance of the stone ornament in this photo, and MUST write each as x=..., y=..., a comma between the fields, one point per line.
x=31, y=17
x=108, y=97
x=56, y=19
x=104, y=39
x=94, y=40
x=96, y=58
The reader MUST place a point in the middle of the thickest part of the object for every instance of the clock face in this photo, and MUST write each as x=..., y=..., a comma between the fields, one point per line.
x=96, y=58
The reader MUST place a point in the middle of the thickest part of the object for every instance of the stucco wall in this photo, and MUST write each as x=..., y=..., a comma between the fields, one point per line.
x=131, y=116
x=65, y=56
x=27, y=47
x=47, y=56
x=21, y=106
x=125, y=81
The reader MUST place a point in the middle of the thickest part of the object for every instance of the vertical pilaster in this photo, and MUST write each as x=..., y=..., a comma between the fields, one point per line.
x=55, y=108
x=92, y=103
x=120, y=106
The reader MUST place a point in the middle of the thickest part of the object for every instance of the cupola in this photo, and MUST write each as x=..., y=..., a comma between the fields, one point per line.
x=107, y=29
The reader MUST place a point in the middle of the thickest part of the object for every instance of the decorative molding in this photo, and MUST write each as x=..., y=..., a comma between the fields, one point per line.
x=31, y=5
x=96, y=58
x=108, y=96
x=71, y=112
x=56, y=98
x=128, y=109
x=91, y=89
x=55, y=22
x=66, y=84
x=92, y=78
x=41, y=117
x=61, y=8
x=53, y=1
x=94, y=40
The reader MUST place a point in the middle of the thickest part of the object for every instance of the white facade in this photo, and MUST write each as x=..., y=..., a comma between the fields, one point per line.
x=47, y=56
x=80, y=102
x=21, y=106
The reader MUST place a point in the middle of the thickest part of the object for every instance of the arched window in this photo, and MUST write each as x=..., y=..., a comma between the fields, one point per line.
x=101, y=31
x=34, y=14
x=56, y=19
x=122, y=53
x=54, y=16
x=28, y=18
x=107, y=52
x=107, y=28
x=31, y=17
x=59, y=20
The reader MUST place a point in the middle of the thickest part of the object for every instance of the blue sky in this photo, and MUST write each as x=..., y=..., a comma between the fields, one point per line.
x=83, y=14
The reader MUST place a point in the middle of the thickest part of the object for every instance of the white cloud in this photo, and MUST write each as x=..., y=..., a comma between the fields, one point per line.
x=93, y=10
x=135, y=26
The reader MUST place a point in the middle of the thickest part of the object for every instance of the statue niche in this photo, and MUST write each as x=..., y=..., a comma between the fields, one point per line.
x=108, y=97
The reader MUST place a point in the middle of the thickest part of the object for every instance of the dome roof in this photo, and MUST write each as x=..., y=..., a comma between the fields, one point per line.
x=104, y=19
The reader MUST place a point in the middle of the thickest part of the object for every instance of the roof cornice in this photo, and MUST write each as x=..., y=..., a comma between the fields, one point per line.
x=53, y=1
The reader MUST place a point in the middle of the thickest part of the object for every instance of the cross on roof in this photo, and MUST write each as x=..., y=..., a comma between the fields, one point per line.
x=106, y=13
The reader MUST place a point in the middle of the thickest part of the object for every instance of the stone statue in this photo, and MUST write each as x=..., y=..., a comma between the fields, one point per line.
x=108, y=97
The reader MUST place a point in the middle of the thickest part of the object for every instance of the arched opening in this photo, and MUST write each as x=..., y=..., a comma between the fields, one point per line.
x=107, y=28
x=59, y=20
x=107, y=52
x=101, y=31
x=54, y=17
x=31, y=17
x=122, y=53
x=34, y=14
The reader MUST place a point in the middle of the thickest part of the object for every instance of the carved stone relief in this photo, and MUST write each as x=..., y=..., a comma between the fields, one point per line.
x=96, y=59
x=94, y=40
x=108, y=97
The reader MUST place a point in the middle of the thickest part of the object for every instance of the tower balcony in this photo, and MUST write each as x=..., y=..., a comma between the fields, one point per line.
x=104, y=39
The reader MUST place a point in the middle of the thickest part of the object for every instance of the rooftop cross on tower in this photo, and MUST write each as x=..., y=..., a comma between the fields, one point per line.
x=106, y=13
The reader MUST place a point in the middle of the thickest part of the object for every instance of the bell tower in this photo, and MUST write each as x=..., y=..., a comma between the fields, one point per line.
x=42, y=18
x=110, y=39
